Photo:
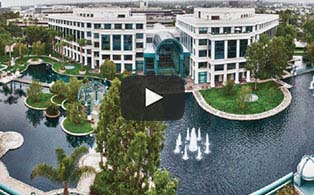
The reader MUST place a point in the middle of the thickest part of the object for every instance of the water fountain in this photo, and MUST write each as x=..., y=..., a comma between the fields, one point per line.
x=187, y=135
x=193, y=141
x=179, y=140
x=185, y=155
x=312, y=84
x=177, y=150
x=207, y=151
x=199, y=137
x=199, y=154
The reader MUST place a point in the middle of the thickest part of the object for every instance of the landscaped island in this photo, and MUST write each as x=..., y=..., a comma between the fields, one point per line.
x=236, y=99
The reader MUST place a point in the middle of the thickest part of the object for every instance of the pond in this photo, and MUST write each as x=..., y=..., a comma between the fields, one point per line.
x=245, y=156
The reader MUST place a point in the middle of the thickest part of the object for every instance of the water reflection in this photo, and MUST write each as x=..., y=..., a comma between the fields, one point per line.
x=34, y=116
x=78, y=141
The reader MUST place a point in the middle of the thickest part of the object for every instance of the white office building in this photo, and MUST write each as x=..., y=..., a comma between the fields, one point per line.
x=218, y=39
x=209, y=45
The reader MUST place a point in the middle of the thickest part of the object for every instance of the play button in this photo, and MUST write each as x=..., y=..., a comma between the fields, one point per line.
x=157, y=98
x=151, y=97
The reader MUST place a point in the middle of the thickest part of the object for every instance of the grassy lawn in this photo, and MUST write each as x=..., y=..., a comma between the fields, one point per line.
x=43, y=103
x=266, y=101
x=58, y=99
x=84, y=127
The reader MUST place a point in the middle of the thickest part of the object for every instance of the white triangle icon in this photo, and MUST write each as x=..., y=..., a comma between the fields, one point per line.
x=151, y=97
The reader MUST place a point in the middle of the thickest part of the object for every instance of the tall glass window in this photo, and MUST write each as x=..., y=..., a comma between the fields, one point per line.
x=249, y=28
x=128, y=42
x=219, y=49
x=202, y=53
x=215, y=30
x=105, y=42
x=227, y=30
x=139, y=35
x=243, y=47
x=202, y=42
x=128, y=26
x=116, y=42
x=232, y=49
x=202, y=30
x=97, y=26
x=107, y=26
x=209, y=49
x=118, y=26
x=139, y=26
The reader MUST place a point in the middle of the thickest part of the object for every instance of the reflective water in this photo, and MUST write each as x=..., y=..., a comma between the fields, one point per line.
x=245, y=156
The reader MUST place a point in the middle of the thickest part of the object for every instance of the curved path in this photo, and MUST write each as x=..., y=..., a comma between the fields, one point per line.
x=248, y=117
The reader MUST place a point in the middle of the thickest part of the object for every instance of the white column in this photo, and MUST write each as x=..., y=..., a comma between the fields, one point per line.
x=93, y=61
x=212, y=79
x=196, y=72
x=85, y=55
x=134, y=63
x=226, y=49
x=237, y=74
x=213, y=50
x=225, y=76
x=248, y=76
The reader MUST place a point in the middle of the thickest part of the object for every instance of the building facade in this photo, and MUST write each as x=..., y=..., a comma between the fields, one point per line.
x=209, y=45
x=218, y=39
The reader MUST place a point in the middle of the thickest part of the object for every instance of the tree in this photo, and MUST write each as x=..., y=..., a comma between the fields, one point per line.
x=67, y=170
x=164, y=184
x=285, y=30
x=256, y=59
x=59, y=88
x=34, y=91
x=75, y=113
x=229, y=88
x=308, y=29
x=20, y=49
x=277, y=57
x=38, y=48
x=70, y=38
x=310, y=52
x=82, y=43
x=73, y=89
x=243, y=96
x=9, y=43
x=108, y=69
x=60, y=45
x=132, y=149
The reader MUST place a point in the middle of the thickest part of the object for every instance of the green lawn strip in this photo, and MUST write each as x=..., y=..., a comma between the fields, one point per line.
x=84, y=127
x=58, y=99
x=217, y=99
x=43, y=103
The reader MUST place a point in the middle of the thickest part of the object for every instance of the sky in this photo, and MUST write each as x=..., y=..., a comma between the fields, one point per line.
x=6, y=3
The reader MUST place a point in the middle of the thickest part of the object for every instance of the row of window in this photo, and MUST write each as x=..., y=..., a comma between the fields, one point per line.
x=117, y=42
x=118, y=26
x=221, y=67
x=220, y=48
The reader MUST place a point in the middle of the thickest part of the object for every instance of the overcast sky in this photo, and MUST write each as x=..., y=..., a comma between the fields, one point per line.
x=6, y=3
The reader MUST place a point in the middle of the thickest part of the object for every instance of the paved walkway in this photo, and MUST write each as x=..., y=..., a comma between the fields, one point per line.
x=282, y=106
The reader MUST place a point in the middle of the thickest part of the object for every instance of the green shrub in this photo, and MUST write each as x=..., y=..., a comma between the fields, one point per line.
x=52, y=109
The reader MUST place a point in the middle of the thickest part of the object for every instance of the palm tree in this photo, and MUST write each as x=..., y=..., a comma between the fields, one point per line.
x=70, y=38
x=82, y=43
x=20, y=41
x=9, y=42
x=60, y=45
x=67, y=169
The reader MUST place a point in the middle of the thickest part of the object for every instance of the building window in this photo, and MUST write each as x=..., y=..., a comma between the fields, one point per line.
x=209, y=49
x=128, y=26
x=238, y=29
x=105, y=42
x=202, y=53
x=232, y=49
x=149, y=40
x=243, y=47
x=118, y=68
x=116, y=42
x=128, y=57
x=116, y=57
x=202, y=42
x=96, y=44
x=128, y=42
x=242, y=65
x=215, y=18
x=249, y=28
x=96, y=35
x=202, y=30
x=89, y=34
x=139, y=35
x=121, y=16
x=139, y=45
x=117, y=26
x=219, y=49
x=97, y=26
x=227, y=30
x=128, y=67
x=107, y=26
x=139, y=65
x=215, y=30
x=231, y=66
x=139, y=55
x=219, y=67
x=202, y=65
x=89, y=25
x=139, y=26
x=106, y=57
